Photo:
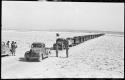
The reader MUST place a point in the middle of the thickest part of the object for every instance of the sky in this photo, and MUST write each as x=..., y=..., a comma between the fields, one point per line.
x=24, y=15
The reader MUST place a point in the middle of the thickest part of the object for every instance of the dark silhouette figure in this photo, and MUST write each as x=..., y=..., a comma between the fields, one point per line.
x=67, y=48
x=13, y=48
x=8, y=42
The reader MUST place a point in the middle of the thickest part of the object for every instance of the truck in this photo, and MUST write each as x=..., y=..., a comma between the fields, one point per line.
x=38, y=52
x=61, y=43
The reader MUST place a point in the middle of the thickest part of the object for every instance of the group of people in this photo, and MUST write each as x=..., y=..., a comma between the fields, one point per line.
x=12, y=46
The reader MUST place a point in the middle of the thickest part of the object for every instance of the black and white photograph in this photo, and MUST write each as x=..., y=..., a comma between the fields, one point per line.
x=46, y=0
x=61, y=39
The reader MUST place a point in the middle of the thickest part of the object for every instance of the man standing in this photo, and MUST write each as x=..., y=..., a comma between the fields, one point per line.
x=13, y=48
x=8, y=42
x=3, y=43
x=57, y=36
x=15, y=44
x=67, y=47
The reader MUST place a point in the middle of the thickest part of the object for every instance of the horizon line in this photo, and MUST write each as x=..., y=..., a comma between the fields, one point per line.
x=66, y=30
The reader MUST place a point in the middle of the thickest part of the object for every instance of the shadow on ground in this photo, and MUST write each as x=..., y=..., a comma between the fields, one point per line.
x=58, y=56
x=24, y=60
x=4, y=55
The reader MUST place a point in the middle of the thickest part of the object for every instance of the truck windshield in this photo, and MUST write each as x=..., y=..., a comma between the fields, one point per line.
x=37, y=45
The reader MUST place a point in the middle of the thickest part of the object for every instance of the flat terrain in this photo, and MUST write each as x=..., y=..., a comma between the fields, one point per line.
x=102, y=57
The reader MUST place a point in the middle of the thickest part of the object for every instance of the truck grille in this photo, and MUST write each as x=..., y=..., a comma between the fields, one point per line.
x=35, y=55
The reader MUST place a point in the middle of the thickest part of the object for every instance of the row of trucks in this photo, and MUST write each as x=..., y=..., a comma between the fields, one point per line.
x=72, y=41
x=39, y=51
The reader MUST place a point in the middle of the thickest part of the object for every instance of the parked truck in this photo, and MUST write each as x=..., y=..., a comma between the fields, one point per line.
x=38, y=52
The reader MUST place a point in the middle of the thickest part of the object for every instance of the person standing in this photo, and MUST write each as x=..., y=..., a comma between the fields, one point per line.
x=67, y=48
x=8, y=42
x=3, y=43
x=57, y=47
x=15, y=44
x=13, y=48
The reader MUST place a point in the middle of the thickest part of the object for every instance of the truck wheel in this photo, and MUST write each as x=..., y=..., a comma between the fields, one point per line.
x=27, y=59
x=26, y=54
x=47, y=55
x=39, y=59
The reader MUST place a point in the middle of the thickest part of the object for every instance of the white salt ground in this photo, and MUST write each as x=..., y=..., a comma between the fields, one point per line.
x=101, y=57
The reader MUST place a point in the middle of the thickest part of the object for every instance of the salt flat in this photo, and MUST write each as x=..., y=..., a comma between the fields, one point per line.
x=102, y=57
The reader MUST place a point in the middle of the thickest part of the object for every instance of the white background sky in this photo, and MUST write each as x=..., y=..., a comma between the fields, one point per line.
x=63, y=15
